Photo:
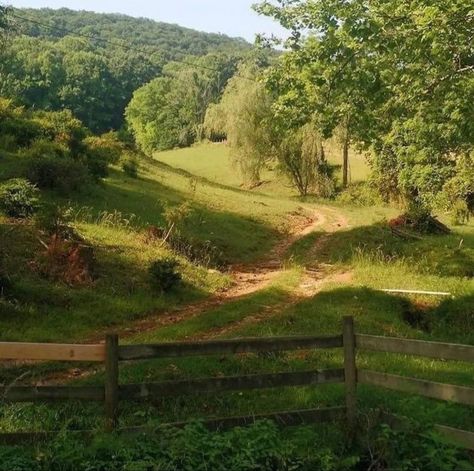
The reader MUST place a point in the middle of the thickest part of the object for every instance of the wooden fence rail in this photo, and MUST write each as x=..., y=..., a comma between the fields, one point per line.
x=226, y=347
x=111, y=354
x=438, y=350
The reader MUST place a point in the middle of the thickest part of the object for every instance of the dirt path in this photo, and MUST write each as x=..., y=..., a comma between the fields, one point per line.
x=247, y=279
x=250, y=278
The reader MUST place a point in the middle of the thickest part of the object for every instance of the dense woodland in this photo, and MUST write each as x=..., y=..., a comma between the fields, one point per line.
x=174, y=185
x=95, y=71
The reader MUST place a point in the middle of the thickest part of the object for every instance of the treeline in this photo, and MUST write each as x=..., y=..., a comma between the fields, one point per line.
x=92, y=63
x=170, y=111
x=171, y=41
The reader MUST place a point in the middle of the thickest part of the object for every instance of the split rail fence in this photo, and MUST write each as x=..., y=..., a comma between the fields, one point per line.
x=112, y=392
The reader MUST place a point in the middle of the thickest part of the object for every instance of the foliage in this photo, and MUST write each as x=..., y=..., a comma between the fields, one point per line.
x=18, y=198
x=176, y=218
x=50, y=68
x=301, y=157
x=460, y=213
x=400, y=73
x=245, y=118
x=100, y=151
x=215, y=123
x=57, y=150
x=169, y=111
x=257, y=137
x=66, y=260
x=359, y=194
x=57, y=220
x=261, y=446
x=5, y=28
x=50, y=166
x=130, y=165
x=413, y=447
x=163, y=274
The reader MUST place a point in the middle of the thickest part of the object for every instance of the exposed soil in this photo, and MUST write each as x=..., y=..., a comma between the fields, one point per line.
x=250, y=278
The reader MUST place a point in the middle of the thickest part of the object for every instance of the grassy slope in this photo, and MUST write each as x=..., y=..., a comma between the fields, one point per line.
x=214, y=163
x=113, y=217
x=366, y=248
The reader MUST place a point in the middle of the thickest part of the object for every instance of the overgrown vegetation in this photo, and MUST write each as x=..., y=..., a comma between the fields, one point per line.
x=260, y=446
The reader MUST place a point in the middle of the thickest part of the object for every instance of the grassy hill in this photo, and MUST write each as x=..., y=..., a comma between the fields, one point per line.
x=332, y=261
x=214, y=162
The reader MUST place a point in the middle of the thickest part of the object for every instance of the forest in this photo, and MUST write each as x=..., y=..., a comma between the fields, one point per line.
x=181, y=189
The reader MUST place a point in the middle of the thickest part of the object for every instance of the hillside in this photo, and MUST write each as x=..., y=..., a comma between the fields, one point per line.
x=291, y=268
x=92, y=63
x=169, y=40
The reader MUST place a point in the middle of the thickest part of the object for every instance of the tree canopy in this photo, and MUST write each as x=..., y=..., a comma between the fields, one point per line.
x=92, y=63
x=169, y=111
x=399, y=75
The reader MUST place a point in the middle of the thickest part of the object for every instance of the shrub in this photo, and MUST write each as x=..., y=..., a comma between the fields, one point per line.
x=130, y=166
x=64, y=175
x=460, y=213
x=164, y=276
x=63, y=128
x=359, y=194
x=100, y=151
x=8, y=142
x=413, y=447
x=50, y=166
x=18, y=198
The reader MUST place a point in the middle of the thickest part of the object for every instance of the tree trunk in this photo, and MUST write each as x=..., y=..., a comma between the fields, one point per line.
x=345, y=163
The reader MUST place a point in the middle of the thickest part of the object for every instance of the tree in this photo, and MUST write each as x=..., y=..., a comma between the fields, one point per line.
x=301, y=157
x=170, y=111
x=4, y=22
x=257, y=135
x=400, y=72
x=245, y=109
x=95, y=72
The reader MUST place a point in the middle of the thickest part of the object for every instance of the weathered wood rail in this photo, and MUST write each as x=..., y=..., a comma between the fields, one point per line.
x=112, y=392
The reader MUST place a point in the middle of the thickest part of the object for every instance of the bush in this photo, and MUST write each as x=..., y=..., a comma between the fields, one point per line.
x=359, y=194
x=260, y=447
x=164, y=276
x=64, y=175
x=100, y=151
x=460, y=213
x=63, y=128
x=50, y=166
x=67, y=261
x=130, y=166
x=18, y=198
x=413, y=447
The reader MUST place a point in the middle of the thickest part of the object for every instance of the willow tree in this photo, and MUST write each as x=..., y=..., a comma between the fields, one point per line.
x=246, y=114
x=301, y=157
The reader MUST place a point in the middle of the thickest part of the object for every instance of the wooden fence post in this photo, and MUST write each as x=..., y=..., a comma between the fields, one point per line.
x=350, y=372
x=111, y=381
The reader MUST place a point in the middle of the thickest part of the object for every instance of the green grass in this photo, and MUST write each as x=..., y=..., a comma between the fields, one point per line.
x=214, y=163
x=244, y=225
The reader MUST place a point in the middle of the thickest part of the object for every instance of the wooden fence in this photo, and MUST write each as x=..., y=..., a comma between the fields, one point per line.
x=111, y=393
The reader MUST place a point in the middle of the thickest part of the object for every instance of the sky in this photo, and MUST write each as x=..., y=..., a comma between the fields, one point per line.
x=231, y=17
